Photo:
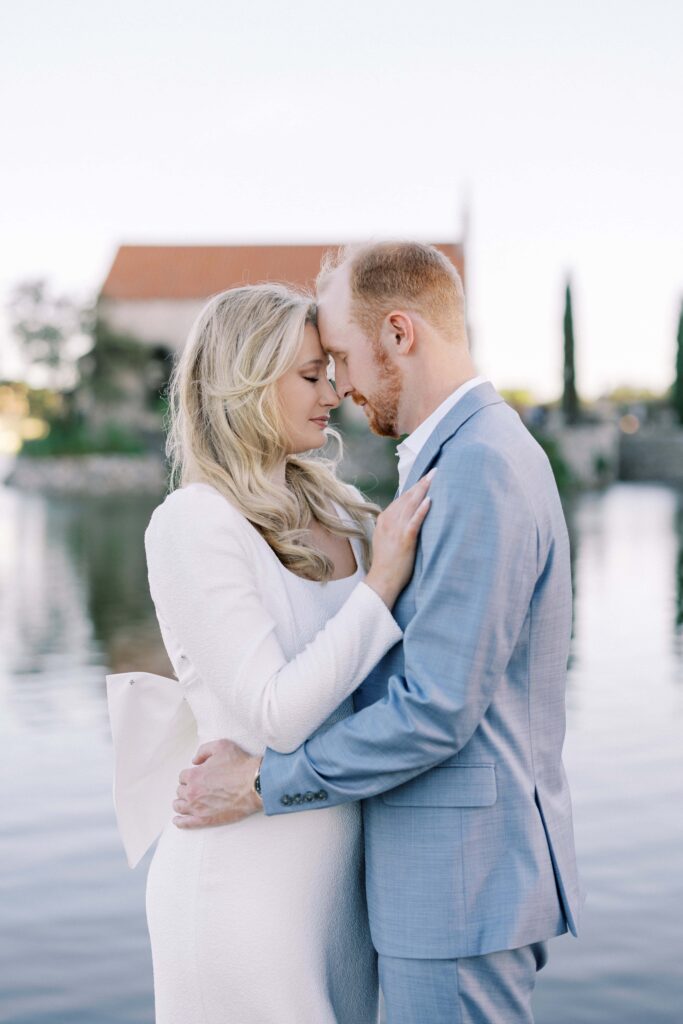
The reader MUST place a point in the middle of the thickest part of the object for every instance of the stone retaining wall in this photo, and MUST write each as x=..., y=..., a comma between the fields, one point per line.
x=594, y=453
x=653, y=456
x=90, y=474
x=590, y=451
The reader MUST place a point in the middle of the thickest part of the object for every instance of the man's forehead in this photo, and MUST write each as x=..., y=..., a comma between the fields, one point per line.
x=334, y=316
x=333, y=287
x=334, y=335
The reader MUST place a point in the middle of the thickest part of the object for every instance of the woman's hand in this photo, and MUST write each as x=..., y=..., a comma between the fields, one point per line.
x=395, y=540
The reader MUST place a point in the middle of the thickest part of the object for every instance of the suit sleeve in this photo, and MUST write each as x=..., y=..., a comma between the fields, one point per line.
x=203, y=580
x=475, y=574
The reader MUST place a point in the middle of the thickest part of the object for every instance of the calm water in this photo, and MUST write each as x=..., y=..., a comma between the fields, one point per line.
x=74, y=606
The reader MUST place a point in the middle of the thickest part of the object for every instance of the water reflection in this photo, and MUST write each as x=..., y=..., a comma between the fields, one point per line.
x=73, y=943
x=625, y=762
x=679, y=563
x=74, y=605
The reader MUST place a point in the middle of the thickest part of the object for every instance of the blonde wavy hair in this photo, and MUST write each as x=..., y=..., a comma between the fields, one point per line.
x=225, y=426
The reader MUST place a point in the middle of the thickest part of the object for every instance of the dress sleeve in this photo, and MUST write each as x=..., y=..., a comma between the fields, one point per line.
x=203, y=581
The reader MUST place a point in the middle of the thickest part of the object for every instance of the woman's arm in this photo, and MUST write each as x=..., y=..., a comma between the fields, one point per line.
x=203, y=581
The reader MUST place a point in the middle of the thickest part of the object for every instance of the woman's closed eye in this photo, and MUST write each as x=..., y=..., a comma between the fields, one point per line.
x=314, y=380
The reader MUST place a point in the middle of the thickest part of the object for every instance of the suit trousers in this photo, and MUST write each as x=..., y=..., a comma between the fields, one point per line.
x=491, y=989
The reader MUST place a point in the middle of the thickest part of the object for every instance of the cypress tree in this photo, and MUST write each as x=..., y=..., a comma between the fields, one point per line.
x=570, y=400
x=678, y=382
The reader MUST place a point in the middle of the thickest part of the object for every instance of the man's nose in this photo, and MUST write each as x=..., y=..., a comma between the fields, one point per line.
x=344, y=389
x=341, y=380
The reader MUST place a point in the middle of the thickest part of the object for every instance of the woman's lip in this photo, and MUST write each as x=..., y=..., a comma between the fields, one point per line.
x=323, y=420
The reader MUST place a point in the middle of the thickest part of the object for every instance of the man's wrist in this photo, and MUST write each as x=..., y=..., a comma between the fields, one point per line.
x=257, y=781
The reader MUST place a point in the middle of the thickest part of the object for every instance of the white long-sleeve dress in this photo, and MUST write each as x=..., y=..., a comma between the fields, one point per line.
x=262, y=922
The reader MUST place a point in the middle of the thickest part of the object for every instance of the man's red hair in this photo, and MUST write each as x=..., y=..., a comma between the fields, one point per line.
x=386, y=276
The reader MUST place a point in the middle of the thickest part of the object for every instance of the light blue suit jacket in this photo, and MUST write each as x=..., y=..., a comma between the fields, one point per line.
x=455, y=747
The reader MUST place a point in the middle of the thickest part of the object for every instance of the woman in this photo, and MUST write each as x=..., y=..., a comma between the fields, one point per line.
x=257, y=571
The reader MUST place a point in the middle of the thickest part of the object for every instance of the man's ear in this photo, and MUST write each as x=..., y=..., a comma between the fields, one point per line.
x=397, y=334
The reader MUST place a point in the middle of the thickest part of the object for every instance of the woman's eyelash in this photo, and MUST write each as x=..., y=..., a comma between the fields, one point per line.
x=313, y=379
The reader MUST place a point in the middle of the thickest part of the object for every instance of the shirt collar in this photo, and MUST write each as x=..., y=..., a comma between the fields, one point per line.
x=414, y=443
x=409, y=449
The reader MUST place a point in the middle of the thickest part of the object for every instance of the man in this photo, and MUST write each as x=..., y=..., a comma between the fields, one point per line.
x=455, y=744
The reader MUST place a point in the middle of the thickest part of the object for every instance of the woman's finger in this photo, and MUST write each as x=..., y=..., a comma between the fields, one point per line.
x=420, y=512
x=415, y=495
x=422, y=485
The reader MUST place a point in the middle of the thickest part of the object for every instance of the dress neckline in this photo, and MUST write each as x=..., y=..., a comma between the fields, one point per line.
x=326, y=583
x=320, y=583
x=353, y=541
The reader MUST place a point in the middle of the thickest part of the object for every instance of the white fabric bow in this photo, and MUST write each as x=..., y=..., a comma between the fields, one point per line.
x=155, y=737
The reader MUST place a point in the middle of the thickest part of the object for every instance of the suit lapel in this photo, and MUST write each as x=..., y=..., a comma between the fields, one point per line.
x=476, y=399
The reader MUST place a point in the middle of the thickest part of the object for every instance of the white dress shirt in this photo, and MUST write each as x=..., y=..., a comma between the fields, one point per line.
x=409, y=449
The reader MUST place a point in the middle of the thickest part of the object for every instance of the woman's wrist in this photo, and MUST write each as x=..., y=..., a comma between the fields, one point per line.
x=382, y=587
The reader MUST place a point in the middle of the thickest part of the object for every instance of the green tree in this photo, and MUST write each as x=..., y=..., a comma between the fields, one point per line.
x=570, y=400
x=52, y=330
x=678, y=382
x=112, y=353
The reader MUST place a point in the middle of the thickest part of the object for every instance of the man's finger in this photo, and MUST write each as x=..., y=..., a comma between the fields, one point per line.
x=187, y=821
x=184, y=777
x=204, y=753
x=181, y=806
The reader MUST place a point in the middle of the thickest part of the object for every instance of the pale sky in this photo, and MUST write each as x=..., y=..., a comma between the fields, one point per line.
x=559, y=123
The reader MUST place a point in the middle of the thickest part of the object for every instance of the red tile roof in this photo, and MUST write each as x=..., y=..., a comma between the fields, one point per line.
x=197, y=271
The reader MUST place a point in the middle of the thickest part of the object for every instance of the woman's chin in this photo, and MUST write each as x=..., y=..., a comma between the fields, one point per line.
x=318, y=440
x=321, y=440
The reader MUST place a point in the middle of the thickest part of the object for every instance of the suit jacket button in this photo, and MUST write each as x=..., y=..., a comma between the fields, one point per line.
x=309, y=796
x=297, y=798
x=323, y=794
x=286, y=800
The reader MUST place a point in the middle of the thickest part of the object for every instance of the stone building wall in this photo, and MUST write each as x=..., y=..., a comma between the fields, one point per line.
x=152, y=321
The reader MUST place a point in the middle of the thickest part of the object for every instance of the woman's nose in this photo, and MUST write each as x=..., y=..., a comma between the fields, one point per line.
x=331, y=399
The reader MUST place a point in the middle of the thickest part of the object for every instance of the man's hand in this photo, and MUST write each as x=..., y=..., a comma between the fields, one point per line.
x=220, y=789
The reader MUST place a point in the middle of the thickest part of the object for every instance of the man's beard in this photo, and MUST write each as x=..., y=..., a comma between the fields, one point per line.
x=382, y=411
